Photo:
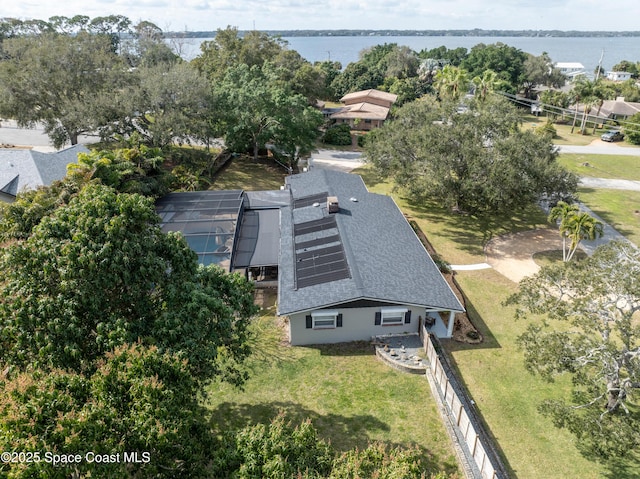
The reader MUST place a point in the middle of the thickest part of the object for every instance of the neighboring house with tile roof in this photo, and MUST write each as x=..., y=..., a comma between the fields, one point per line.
x=28, y=169
x=365, y=110
x=351, y=267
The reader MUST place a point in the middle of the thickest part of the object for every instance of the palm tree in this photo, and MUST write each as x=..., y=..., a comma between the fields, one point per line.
x=485, y=84
x=560, y=213
x=452, y=82
x=581, y=226
x=592, y=93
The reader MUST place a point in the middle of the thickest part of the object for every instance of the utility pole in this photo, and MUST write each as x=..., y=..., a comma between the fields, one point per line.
x=599, y=65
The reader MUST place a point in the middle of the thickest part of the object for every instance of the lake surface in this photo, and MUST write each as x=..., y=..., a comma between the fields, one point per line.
x=585, y=50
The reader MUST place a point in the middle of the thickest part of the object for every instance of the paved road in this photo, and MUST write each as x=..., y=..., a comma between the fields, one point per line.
x=336, y=160
x=610, y=183
x=10, y=134
x=599, y=147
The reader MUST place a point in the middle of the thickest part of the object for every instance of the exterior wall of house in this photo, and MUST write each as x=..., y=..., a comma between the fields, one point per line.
x=362, y=125
x=618, y=76
x=357, y=324
x=6, y=198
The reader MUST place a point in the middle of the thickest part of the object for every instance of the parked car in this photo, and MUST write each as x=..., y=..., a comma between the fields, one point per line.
x=612, y=135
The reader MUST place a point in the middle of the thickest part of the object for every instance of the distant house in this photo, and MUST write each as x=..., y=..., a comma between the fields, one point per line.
x=22, y=169
x=351, y=267
x=618, y=76
x=364, y=110
x=571, y=69
x=617, y=109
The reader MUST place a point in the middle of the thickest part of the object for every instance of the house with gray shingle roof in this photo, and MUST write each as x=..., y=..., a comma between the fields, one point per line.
x=22, y=169
x=351, y=267
x=348, y=264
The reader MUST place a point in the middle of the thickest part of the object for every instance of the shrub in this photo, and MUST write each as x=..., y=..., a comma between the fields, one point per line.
x=547, y=129
x=338, y=135
x=632, y=130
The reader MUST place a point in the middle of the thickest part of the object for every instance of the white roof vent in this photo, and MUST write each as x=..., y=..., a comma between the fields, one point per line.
x=354, y=199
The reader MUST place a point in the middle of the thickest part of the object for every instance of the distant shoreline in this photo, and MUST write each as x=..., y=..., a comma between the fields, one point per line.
x=419, y=33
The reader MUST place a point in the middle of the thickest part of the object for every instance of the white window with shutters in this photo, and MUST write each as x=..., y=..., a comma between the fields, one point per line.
x=393, y=316
x=325, y=319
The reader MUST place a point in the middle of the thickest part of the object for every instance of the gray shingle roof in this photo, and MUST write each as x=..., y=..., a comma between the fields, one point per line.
x=28, y=169
x=386, y=260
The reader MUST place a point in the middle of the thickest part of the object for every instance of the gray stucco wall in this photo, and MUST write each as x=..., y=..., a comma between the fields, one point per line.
x=357, y=324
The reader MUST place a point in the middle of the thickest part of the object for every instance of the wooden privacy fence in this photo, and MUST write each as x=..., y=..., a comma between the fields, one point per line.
x=467, y=426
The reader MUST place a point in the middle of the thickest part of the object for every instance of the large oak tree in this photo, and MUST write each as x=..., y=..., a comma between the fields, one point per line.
x=477, y=162
x=65, y=82
x=589, y=331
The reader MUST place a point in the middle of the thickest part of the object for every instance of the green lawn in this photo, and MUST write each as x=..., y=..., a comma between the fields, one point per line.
x=507, y=395
x=351, y=397
x=564, y=135
x=619, y=208
x=244, y=173
x=603, y=166
x=458, y=239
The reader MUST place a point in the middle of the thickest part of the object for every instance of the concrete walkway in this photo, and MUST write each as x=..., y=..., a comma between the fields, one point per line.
x=336, y=160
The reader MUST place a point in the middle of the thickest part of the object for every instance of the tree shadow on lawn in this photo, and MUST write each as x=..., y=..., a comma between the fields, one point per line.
x=352, y=348
x=470, y=233
x=344, y=432
x=626, y=468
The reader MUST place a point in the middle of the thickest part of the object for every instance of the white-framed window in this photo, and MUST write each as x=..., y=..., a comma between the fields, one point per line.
x=392, y=316
x=324, y=319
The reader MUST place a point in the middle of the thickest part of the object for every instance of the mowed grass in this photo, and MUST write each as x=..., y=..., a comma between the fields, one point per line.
x=458, y=239
x=619, y=208
x=243, y=173
x=602, y=166
x=351, y=397
x=507, y=396
x=563, y=131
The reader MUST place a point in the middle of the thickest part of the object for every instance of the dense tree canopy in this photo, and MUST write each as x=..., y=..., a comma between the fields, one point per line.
x=256, y=109
x=539, y=71
x=591, y=333
x=135, y=169
x=65, y=82
x=138, y=401
x=476, y=162
x=506, y=61
x=98, y=273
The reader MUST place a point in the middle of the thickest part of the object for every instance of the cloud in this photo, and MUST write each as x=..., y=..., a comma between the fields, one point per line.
x=355, y=14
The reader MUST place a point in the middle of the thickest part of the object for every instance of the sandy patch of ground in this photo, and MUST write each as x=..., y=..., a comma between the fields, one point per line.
x=512, y=255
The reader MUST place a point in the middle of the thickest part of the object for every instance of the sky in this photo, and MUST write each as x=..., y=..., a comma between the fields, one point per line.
x=209, y=15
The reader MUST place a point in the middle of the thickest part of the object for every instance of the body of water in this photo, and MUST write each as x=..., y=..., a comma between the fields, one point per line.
x=585, y=50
